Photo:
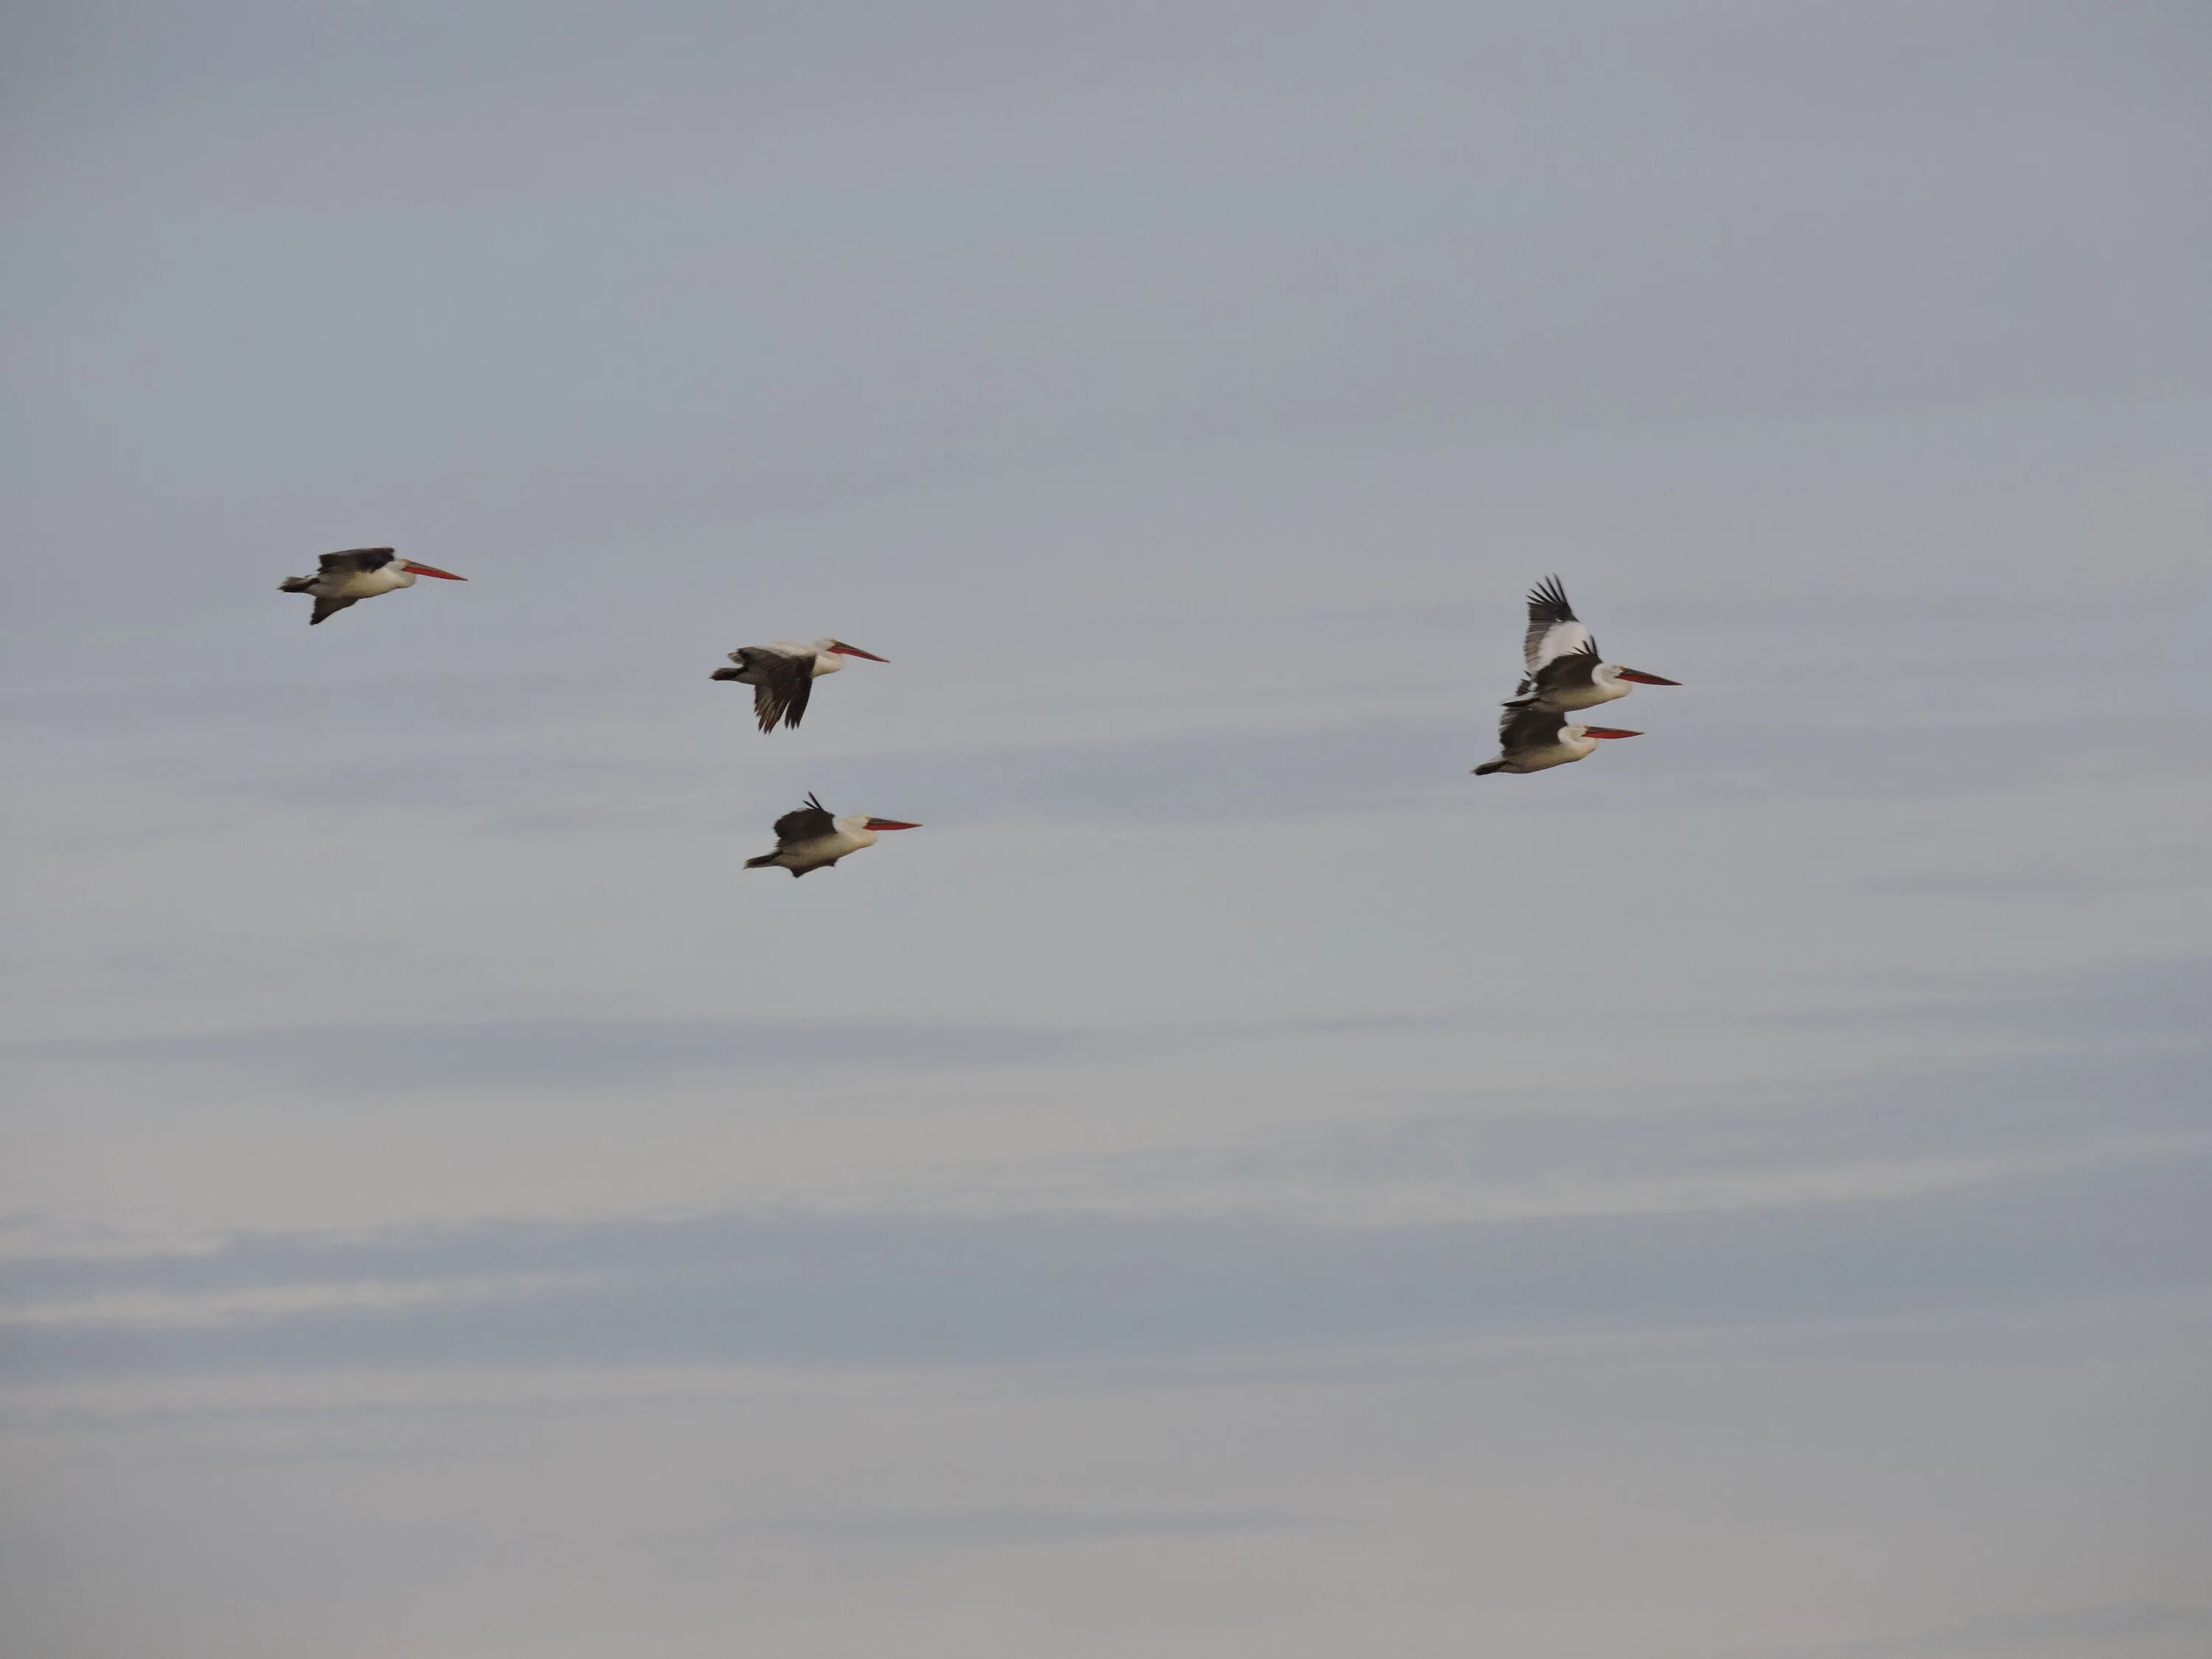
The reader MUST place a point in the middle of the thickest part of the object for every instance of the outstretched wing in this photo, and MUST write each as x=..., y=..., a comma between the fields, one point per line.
x=327, y=608
x=781, y=685
x=1554, y=630
x=354, y=559
x=810, y=823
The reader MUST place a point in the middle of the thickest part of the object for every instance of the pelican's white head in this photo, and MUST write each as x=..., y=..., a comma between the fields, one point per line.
x=1610, y=674
x=830, y=655
x=862, y=827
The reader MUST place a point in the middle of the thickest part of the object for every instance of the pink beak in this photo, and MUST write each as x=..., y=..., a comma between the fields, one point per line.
x=1642, y=678
x=1608, y=732
x=844, y=650
x=414, y=569
x=890, y=824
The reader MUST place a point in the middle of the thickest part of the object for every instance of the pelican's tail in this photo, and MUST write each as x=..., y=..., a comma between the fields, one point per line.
x=1488, y=767
x=761, y=863
x=296, y=585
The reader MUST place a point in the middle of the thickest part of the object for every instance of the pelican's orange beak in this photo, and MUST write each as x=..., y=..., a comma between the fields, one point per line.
x=890, y=824
x=844, y=650
x=1642, y=678
x=413, y=568
x=1608, y=732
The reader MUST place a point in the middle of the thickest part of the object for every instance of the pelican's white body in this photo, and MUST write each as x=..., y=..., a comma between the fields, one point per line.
x=847, y=835
x=358, y=574
x=363, y=584
x=1534, y=740
x=1603, y=685
x=783, y=674
x=1572, y=746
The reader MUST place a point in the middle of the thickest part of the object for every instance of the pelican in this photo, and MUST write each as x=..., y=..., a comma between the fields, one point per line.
x=361, y=572
x=783, y=675
x=1530, y=740
x=1564, y=672
x=810, y=839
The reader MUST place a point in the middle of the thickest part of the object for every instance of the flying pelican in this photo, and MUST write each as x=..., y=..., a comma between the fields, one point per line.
x=1531, y=739
x=361, y=573
x=783, y=675
x=1564, y=672
x=810, y=839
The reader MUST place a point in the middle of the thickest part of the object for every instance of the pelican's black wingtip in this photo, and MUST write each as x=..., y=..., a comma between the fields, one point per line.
x=1547, y=601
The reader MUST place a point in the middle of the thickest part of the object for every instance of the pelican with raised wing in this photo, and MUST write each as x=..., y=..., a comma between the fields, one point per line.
x=783, y=675
x=1565, y=672
x=358, y=574
x=1531, y=739
x=810, y=839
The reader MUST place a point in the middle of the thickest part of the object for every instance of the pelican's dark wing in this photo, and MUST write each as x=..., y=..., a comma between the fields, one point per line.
x=357, y=558
x=810, y=823
x=1528, y=728
x=327, y=608
x=781, y=685
x=1576, y=668
x=1554, y=630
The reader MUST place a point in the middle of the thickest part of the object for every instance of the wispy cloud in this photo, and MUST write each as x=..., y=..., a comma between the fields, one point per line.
x=1934, y=1123
x=1008, y=1527
x=584, y=1053
x=2067, y=1631
x=2158, y=997
x=873, y=1290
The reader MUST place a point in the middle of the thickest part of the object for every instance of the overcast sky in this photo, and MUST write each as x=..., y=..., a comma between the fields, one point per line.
x=1232, y=1182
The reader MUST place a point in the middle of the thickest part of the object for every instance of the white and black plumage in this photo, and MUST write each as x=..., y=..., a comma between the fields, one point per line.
x=358, y=574
x=783, y=675
x=1531, y=739
x=1563, y=669
x=810, y=839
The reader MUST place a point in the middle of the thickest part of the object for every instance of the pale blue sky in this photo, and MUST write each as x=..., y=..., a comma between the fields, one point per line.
x=1233, y=1183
